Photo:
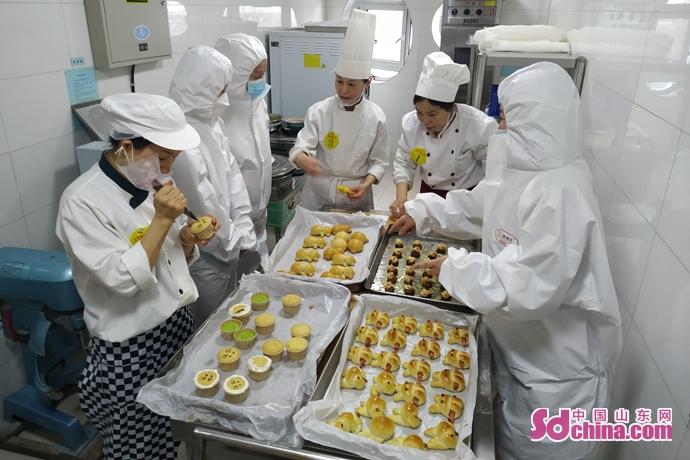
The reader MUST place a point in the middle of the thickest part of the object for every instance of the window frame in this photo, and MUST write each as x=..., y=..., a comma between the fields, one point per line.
x=406, y=32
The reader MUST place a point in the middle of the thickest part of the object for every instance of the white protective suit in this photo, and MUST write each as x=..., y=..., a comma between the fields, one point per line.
x=209, y=176
x=543, y=279
x=246, y=127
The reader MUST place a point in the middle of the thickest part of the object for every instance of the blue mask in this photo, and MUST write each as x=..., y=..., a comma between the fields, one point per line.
x=257, y=88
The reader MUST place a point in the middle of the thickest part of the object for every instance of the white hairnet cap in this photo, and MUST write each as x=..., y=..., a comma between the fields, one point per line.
x=358, y=46
x=199, y=77
x=153, y=117
x=441, y=77
x=245, y=52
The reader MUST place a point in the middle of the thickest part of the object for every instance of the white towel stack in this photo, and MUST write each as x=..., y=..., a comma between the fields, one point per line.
x=531, y=39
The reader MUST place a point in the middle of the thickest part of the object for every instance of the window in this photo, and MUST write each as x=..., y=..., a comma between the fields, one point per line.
x=268, y=16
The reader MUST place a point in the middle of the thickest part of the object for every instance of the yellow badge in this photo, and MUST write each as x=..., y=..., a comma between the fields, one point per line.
x=418, y=155
x=137, y=235
x=331, y=140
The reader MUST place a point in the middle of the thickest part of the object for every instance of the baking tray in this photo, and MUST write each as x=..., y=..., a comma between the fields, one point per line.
x=379, y=267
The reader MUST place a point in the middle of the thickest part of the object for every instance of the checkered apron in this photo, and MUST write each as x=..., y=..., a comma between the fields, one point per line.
x=112, y=377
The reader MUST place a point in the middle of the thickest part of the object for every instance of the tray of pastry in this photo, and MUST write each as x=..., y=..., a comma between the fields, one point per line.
x=269, y=334
x=405, y=386
x=392, y=271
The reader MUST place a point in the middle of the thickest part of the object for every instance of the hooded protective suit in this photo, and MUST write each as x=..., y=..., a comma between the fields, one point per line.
x=543, y=279
x=246, y=127
x=209, y=176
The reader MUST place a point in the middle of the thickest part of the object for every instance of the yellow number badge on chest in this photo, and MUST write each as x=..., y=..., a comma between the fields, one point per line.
x=418, y=155
x=331, y=140
x=137, y=235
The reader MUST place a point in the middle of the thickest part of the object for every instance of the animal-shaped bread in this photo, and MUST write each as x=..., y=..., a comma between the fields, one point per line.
x=302, y=269
x=346, y=260
x=380, y=429
x=417, y=368
x=339, y=244
x=355, y=246
x=372, y=407
x=349, y=422
x=395, y=339
x=353, y=377
x=320, y=230
x=412, y=441
x=443, y=436
x=340, y=228
x=385, y=383
x=447, y=405
x=450, y=379
x=459, y=335
x=307, y=255
x=367, y=335
x=342, y=235
x=314, y=242
x=339, y=272
x=457, y=358
x=378, y=319
x=360, y=356
x=330, y=252
x=410, y=392
x=405, y=323
x=407, y=415
x=360, y=236
x=427, y=348
x=388, y=360
x=432, y=329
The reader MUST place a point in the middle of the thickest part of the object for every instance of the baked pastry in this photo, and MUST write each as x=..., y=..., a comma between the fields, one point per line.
x=344, y=273
x=409, y=271
x=417, y=368
x=407, y=415
x=353, y=377
x=393, y=261
x=245, y=338
x=381, y=429
x=432, y=329
x=415, y=252
x=432, y=255
x=426, y=293
x=427, y=283
x=449, y=379
x=339, y=244
x=367, y=335
x=409, y=289
x=241, y=312
x=441, y=248
x=445, y=295
x=398, y=252
x=296, y=348
x=203, y=228
x=228, y=359
x=260, y=301
x=228, y=328
x=316, y=242
x=411, y=261
x=399, y=243
x=320, y=230
x=348, y=422
x=417, y=244
x=408, y=280
x=385, y=383
x=412, y=441
x=360, y=236
x=265, y=323
x=236, y=388
x=457, y=358
x=302, y=269
x=329, y=252
x=393, y=269
x=273, y=348
x=395, y=339
x=459, y=335
x=378, y=319
x=428, y=273
x=410, y=392
x=342, y=235
x=259, y=367
x=360, y=356
x=389, y=286
x=405, y=323
x=355, y=246
x=301, y=330
x=443, y=436
x=388, y=360
x=341, y=228
x=392, y=277
x=206, y=382
x=346, y=260
x=447, y=405
x=372, y=407
x=427, y=348
x=291, y=304
x=307, y=255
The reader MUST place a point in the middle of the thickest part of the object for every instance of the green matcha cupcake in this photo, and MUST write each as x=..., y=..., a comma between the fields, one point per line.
x=245, y=338
x=229, y=327
x=260, y=301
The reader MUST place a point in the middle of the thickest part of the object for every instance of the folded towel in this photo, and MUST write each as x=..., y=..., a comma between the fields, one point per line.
x=537, y=46
x=519, y=33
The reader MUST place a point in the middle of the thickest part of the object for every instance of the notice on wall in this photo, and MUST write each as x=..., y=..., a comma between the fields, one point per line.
x=312, y=61
x=81, y=85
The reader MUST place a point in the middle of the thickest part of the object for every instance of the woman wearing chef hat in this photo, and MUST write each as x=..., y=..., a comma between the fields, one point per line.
x=445, y=140
x=344, y=141
x=129, y=250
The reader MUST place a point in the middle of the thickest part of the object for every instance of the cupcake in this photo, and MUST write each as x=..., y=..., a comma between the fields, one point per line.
x=206, y=382
x=273, y=348
x=259, y=367
x=265, y=323
x=241, y=311
x=236, y=388
x=228, y=359
x=245, y=338
x=296, y=348
x=229, y=327
x=291, y=304
x=301, y=330
x=203, y=228
x=260, y=301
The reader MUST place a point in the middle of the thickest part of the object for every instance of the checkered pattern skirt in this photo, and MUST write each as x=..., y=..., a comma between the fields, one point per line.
x=112, y=377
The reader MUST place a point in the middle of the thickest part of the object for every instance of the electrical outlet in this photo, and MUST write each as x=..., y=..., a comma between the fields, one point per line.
x=77, y=61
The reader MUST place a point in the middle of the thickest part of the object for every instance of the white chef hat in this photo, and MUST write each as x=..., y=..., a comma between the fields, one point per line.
x=153, y=117
x=358, y=46
x=441, y=77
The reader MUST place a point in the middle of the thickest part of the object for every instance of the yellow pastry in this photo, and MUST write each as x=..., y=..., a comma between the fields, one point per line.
x=360, y=236
x=451, y=380
x=291, y=304
x=296, y=348
x=259, y=367
x=339, y=244
x=330, y=252
x=388, y=360
x=236, y=389
x=203, y=228
x=341, y=228
x=410, y=392
x=443, y=436
x=417, y=368
x=320, y=230
x=367, y=335
x=459, y=335
x=457, y=358
x=378, y=319
x=314, y=242
x=241, y=311
x=343, y=273
x=301, y=330
x=346, y=260
x=206, y=382
x=427, y=348
x=265, y=323
x=228, y=359
x=450, y=406
x=395, y=339
x=407, y=415
x=343, y=189
x=355, y=246
x=372, y=407
x=384, y=383
x=360, y=356
x=273, y=348
x=412, y=441
x=307, y=255
x=405, y=323
x=342, y=235
x=432, y=329
x=348, y=422
x=354, y=378
x=380, y=429
x=302, y=269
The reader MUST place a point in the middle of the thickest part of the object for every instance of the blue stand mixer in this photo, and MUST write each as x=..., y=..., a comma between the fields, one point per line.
x=44, y=315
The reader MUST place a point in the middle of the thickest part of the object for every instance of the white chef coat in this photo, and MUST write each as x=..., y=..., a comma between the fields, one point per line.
x=350, y=145
x=99, y=214
x=455, y=159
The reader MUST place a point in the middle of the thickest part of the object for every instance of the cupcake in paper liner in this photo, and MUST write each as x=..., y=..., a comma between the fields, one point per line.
x=206, y=382
x=259, y=367
x=245, y=338
x=236, y=388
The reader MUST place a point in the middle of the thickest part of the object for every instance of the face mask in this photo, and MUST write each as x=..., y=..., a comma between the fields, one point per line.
x=142, y=172
x=257, y=89
x=216, y=110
